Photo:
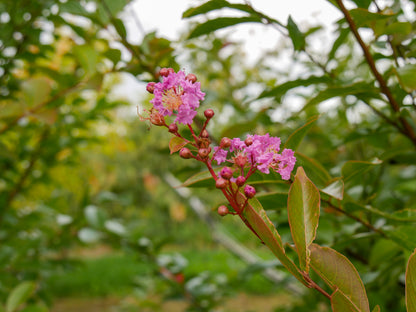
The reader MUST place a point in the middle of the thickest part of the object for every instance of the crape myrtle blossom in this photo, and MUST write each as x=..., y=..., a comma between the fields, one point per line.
x=177, y=95
x=260, y=152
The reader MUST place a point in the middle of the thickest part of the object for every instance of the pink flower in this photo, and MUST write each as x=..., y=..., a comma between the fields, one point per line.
x=177, y=96
x=260, y=152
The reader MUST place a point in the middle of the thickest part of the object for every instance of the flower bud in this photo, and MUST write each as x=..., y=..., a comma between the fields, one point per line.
x=156, y=118
x=173, y=128
x=225, y=142
x=209, y=113
x=185, y=153
x=248, y=141
x=150, y=87
x=240, y=181
x=240, y=160
x=166, y=71
x=205, y=134
x=226, y=173
x=249, y=191
x=204, y=152
x=223, y=210
x=221, y=183
x=191, y=77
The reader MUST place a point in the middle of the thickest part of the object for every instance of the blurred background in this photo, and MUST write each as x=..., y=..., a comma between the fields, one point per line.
x=91, y=218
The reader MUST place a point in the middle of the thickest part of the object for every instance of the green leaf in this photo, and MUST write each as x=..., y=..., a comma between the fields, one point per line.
x=297, y=136
x=341, y=303
x=279, y=91
x=36, y=91
x=19, y=295
x=335, y=189
x=404, y=236
x=201, y=179
x=339, y=273
x=362, y=3
x=176, y=143
x=407, y=77
x=364, y=18
x=303, y=213
x=205, y=8
x=256, y=217
x=357, y=89
x=411, y=283
x=272, y=200
x=316, y=172
x=221, y=22
x=215, y=5
x=119, y=26
x=342, y=36
x=376, y=309
x=354, y=167
x=298, y=38
x=88, y=57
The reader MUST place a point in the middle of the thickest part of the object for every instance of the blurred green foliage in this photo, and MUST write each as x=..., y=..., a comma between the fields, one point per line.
x=76, y=169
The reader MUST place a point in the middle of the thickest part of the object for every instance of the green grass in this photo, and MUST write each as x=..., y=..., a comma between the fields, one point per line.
x=113, y=275
x=104, y=276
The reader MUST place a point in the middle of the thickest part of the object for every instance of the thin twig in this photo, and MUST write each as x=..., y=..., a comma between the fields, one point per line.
x=350, y=215
x=382, y=83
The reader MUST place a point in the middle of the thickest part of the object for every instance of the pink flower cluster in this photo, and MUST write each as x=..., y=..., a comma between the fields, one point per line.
x=177, y=95
x=260, y=152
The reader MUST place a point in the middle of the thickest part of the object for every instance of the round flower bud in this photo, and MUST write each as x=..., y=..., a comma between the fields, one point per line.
x=166, y=71
x=240, y=181
x=209, y=113
x=226, y=173
x=150, y=87
x=225, y=142
x=223, y=210
x=173, y=128
x=221, y=183
x=248, y=141
x=191, y=77
x=203, y=152
x=205, y=134
x=185, y=153
x=240, y=160
x=249, y=191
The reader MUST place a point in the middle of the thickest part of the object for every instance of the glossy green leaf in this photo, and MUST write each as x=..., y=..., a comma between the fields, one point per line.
x=315, y=171
x=303, y=208
x=335, y=189
x=260, y=223
x=201, y=179
x=354, y=167
x=19, y=295
x=297, y=37
x=297, y=136
x=411, y=283
x=176, y=143
x=279, y=91
x=407, y=77
x=339, y=273
x=341, y=303
x=219, y=23
x=119, y=26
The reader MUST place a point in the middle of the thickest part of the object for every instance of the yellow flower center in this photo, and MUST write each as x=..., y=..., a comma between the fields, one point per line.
x=172, y=100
